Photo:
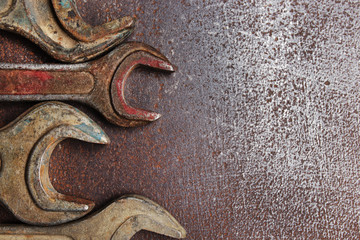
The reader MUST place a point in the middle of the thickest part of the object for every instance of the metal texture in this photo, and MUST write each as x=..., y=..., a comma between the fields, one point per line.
x=99, y=83
x=119, y=221
x=259, y=137
x=57, y=27
x=26, y=145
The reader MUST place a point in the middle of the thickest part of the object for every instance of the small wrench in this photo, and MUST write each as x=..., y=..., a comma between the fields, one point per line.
x=119, y=221
x=99, y=83
x=26, y=145
x=57, y=27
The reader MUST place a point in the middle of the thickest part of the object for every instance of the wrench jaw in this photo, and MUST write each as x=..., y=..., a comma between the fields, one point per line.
x=119, y=221
x=120, y=63
x=132, y=62
x=27, y=146
x=144, y=214
x=125, y=217
x=38, y=181
x=73, y=23
x=111, y=73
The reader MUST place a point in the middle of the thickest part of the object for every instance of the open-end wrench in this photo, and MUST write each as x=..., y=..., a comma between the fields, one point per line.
x=57, y=27
x=119, y=221
x=99, y=83
x=26, y=145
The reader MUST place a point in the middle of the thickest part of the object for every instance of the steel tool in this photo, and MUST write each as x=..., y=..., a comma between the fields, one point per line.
x=99, y=83
x=57, y=27
x=26, y=145
x=119, y=221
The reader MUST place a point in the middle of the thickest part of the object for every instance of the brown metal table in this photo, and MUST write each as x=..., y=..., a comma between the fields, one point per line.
x=259, y=136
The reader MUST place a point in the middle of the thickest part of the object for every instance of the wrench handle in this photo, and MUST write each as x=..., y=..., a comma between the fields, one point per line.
x=27, y=82
x=35, y=237
x=20, y=232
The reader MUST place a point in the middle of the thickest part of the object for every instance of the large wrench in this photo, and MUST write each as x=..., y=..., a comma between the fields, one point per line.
x=57, y=27
x=119, y=221
x=26, y=145
x=99, y=83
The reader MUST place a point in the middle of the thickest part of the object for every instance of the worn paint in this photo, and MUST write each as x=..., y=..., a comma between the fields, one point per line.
x=64, y=3
x=37, y=75
x=36, y=82
x=90, y=130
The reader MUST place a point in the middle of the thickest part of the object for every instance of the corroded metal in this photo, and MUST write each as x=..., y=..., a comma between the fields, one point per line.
x=26, y=145
x=119, y=221
x=99, y=83
x=57, y=27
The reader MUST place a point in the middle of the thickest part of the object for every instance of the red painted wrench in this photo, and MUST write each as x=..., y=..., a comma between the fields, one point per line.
x=99, y=83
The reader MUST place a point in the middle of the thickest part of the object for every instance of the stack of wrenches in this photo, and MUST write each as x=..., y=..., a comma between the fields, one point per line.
x=26, y=144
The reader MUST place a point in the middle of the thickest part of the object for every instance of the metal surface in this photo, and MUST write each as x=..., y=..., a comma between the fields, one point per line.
x=26, y=145
x=57, y=27
x=99, y=83
x=119, y=221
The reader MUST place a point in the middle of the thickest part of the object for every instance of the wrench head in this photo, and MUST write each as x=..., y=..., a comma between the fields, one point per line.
x=146, y=57
x=144, y=214
x=37, y=175
x=26, y=145
x=111, y=73
x=126, y=216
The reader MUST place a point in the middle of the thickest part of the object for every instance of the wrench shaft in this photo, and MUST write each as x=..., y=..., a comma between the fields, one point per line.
x=18, y=84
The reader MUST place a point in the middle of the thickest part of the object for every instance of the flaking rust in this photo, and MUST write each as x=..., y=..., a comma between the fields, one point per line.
x=26, y=145
x=99, y=83
x=57, y=27
x=119, y=221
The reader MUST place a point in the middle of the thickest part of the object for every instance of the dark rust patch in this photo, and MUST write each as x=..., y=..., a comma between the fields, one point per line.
x=71, y=14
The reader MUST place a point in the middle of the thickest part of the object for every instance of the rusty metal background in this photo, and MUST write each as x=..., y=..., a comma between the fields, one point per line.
x=260, y=130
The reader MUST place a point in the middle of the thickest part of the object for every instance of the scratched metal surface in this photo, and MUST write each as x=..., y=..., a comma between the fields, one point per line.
x=260, y=130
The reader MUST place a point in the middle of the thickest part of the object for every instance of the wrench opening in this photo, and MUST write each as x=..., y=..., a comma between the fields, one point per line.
x=133, y=61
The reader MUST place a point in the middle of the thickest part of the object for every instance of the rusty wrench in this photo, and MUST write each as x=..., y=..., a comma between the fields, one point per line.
x=26, y=145
x=99, y=83
x=63, y=34
x=119, y=221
